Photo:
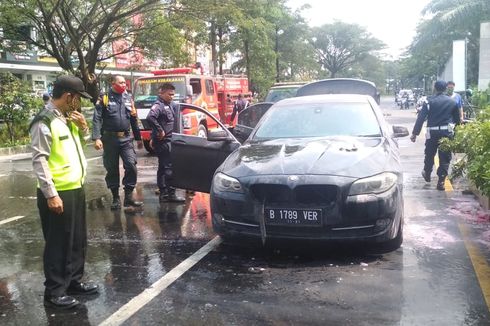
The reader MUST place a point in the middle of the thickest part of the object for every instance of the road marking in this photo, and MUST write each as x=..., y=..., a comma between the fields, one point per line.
x=479, y=262
x=135, y=304
x=3, y=175
x=93, y=158
x=15, y=218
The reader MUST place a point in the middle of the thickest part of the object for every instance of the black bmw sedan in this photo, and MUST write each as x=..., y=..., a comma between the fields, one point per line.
x=323, y=167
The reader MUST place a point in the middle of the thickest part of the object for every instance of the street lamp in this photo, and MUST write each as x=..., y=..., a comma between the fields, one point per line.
x=278, y=32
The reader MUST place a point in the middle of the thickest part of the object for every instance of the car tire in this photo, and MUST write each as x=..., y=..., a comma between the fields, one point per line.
x=148, y=148
x=202, y=131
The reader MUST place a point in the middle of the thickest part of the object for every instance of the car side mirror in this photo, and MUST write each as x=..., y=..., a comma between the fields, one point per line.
x=400, y=131
x=218, y=135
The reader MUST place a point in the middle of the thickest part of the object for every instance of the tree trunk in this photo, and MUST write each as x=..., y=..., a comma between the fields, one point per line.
x=220, y=52
x=213, y=46
x=247, y=60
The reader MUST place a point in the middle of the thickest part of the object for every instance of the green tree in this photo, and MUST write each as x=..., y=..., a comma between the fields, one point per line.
x=449, y=20
x=16, y=106
x=78, y=33
x=340, y=45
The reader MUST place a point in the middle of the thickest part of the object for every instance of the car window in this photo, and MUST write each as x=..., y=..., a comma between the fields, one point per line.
x=277, y=94
x=251, y=115
x=319, y=120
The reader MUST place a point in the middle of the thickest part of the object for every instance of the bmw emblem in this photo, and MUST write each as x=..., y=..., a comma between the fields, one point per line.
x=293, y=178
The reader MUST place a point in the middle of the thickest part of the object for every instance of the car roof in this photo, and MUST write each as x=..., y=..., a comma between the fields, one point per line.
x=312, y=99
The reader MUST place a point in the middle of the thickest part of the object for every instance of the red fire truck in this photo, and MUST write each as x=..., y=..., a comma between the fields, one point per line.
x=214, y=93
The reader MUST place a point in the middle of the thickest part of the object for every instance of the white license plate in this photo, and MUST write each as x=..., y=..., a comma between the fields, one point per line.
x=294, y=217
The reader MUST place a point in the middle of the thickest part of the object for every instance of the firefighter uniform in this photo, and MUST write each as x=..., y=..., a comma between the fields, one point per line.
x=162, y=118
x=112, y=121
x=442, y=114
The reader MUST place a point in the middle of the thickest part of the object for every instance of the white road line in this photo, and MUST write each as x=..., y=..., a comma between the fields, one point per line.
x=3, y=175
x=93, y=158
x=15, y=218
x=135, y=304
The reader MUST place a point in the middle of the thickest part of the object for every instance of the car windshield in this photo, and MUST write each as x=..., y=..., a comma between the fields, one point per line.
x=146, y=90
x=319, y=120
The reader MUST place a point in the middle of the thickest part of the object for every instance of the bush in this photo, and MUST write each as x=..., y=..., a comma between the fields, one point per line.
x=473, y=140
x=17, y=105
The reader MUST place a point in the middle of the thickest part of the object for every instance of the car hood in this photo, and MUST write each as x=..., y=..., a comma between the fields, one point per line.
x=340, y=156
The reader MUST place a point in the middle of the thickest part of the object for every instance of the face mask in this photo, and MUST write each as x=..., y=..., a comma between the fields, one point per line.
x=119, y=88
x=450, y=91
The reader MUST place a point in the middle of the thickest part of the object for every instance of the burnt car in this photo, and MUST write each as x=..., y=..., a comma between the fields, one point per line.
x=323, y=167
x=340, y=86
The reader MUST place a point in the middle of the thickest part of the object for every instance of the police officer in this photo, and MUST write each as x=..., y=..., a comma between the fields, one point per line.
x=60, y=167
x=162, y=117
x=442, y=113
x=112, y=119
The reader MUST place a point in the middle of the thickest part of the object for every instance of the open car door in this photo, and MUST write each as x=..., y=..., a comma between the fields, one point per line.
x=195, y=159
x=248, y=119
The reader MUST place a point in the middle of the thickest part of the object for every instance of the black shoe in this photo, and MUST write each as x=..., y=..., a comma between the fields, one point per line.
x=116, y=204
x=61, y=302
x=129, y=201
x=172, y=198
x=440, y=185
x=81, y=288
x=426, y=176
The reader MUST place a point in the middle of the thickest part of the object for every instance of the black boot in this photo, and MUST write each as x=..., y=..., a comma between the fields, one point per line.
x=129, y=201
x=440, y=184
x=116, y=202
x=172, y=197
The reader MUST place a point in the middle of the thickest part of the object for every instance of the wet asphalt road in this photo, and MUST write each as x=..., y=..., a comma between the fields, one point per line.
x=440, y=276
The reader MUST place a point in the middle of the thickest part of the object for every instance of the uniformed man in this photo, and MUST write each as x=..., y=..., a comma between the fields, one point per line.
x=442, y=113
x=162, y=121
x=456, y=97
x=113, y=117
x=60, y=168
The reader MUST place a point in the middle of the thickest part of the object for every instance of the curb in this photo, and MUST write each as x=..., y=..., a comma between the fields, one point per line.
x=6, y=151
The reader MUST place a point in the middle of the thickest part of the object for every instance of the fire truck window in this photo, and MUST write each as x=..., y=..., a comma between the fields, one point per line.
x=196, y=87
x=209, y=87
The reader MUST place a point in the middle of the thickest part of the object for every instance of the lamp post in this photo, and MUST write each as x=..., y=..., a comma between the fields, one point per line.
x=278, y=32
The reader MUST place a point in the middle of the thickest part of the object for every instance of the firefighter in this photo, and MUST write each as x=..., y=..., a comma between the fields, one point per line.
x=442, y=113
x=162, y=121
x=113, y=117
x=60, y=167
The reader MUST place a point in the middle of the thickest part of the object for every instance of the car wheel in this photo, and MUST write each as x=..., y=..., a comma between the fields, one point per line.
x=148, y=148
x=202, y=131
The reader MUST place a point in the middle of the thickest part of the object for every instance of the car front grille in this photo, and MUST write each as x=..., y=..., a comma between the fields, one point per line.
x=303, y=194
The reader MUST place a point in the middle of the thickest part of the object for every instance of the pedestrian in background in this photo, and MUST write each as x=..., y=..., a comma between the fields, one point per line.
x=456, y=97
x=60, y=167
x=46, y=98
x=113, y=118
x=442, y=113
x=162, y=117
x=239, y=106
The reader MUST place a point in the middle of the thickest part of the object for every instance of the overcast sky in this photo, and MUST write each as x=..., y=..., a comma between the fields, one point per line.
x=391, y=21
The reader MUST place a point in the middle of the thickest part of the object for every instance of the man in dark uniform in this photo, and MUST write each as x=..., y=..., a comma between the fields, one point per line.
x=113, y=117
x=442, y=113
x=240, y=105
x=162, y=117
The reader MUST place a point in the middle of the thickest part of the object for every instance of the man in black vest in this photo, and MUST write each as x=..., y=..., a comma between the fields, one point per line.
x=113, y=117
x=162, y=119
x=442, y=113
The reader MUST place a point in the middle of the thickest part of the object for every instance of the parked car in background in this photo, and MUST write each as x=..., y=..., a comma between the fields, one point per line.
x=338, y=177
x=281, y=91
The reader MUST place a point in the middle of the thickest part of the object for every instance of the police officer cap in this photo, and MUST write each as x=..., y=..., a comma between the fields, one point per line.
x=46, y=96
x=72, y=83
x=440, y=85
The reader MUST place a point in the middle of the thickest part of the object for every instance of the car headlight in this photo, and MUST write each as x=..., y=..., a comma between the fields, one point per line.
x=373, y=185
x=222, y=182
